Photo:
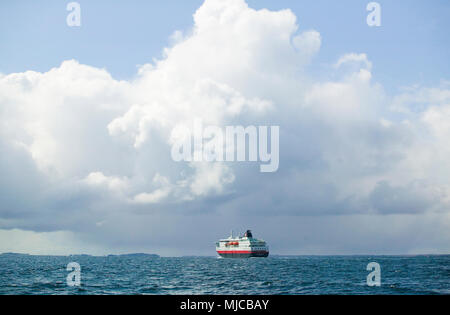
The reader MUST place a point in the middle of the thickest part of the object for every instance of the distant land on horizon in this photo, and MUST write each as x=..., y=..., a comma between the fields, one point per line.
x=87, y=255
x=137, y=255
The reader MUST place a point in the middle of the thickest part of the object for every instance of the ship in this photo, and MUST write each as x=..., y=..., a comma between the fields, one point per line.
x=242, y=247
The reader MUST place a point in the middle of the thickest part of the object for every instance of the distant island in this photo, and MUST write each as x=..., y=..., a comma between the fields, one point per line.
x=14, y=254
x=136, y=255
x=132, y=255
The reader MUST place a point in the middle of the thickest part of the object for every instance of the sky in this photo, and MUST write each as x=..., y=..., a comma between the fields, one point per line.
x=89, y=114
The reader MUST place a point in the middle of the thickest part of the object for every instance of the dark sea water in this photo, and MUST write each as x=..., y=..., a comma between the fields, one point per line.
x=21, y=274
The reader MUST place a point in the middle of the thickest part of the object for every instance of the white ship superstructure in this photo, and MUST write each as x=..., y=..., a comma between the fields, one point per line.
x=242, y=247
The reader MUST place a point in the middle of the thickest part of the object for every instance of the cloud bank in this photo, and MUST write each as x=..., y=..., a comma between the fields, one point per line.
x=85, y=154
